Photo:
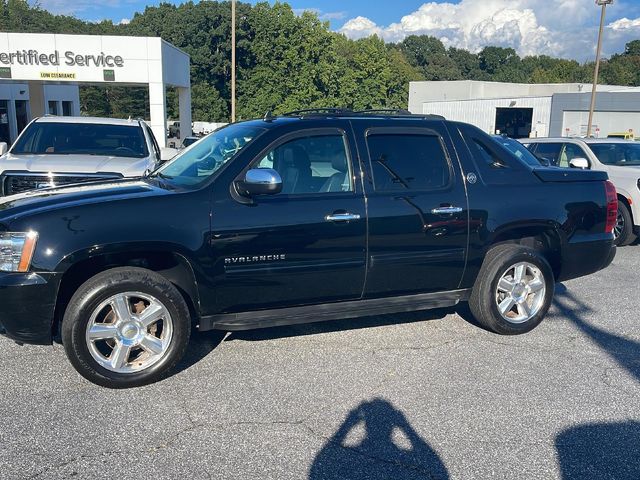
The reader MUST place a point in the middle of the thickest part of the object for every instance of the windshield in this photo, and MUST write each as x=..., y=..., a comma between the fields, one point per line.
x=198, y=162
x=618, y=154
x=50, y=138
x=519, y=150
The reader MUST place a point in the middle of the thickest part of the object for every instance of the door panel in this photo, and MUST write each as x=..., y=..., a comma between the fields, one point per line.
x=418, y=213
x=303, y=246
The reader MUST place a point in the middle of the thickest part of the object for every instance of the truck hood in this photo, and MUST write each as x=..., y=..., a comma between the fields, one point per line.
x=48, y=199
x=128, y=167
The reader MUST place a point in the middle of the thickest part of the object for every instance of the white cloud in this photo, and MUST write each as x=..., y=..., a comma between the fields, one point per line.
x=625, y=24
x=362, y=27
x=124, y=21
x=565, y=28
x=324, y=16
x=333, y=16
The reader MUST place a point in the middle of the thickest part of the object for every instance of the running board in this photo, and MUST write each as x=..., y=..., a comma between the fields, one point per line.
x=332, y=311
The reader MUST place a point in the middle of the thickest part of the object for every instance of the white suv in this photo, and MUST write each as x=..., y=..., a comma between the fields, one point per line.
x=619, y=158
x=54, y=151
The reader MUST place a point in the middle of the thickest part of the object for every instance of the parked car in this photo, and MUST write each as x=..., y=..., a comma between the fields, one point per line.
x=174, y=130
x=54, y=151
x=201, y=129
x=308, y=217
x=619, y=158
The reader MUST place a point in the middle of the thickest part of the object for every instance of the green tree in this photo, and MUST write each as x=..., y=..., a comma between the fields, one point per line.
x=632, y=48
x=430, y=57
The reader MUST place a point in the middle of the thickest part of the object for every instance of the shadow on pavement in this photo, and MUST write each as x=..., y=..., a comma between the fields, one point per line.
x=200, y=345
x=338, y=325
x=600, y=451
x=377, y=441
x=624, y=351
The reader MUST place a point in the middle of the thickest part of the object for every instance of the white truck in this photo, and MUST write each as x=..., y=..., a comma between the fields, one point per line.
x=53, y=151
x=619, y=158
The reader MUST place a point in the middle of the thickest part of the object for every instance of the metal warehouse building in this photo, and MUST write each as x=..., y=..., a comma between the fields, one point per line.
x=530, y=110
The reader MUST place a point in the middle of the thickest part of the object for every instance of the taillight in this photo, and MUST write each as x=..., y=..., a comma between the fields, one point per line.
x=612, y=206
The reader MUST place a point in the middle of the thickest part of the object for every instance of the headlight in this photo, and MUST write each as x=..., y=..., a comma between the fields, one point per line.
x=16, y=251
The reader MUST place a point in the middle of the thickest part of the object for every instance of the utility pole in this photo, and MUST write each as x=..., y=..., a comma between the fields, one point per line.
x=233, y=61
x=603, y=4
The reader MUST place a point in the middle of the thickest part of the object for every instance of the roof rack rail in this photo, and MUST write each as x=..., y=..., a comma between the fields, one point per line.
x=399, y=112
x=318, y=111
x=391, y=111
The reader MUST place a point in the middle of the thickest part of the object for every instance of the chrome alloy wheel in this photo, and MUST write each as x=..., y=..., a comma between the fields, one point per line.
x=520, y=292
x=129, y=332
x=619, y=228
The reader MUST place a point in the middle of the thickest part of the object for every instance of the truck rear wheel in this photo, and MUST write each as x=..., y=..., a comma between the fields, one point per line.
x=513, y=291
x=126, y=327
x=623, y=231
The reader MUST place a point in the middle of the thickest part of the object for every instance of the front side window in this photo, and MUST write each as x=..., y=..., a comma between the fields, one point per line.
x=618, y=154
x=314, y=164
x=195, y=164
x=570, y=152
x=403, y=162
x=65, y=138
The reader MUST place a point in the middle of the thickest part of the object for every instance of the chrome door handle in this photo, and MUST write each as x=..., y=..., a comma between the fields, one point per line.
x=446, y=210
x=342, y=217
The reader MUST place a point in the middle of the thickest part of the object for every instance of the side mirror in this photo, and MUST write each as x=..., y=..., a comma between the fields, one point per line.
x=260, y=181
x=581, y=163
x=3, y=148
x=167, y=154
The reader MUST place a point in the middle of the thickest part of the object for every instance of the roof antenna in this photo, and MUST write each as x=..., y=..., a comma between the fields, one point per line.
x=268, y=117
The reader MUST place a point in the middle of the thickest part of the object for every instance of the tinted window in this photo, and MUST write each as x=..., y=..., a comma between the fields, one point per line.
x=548, y=151
x=519, y=150
x=403, y=162
x=315, y=164
x=620, y=154
x=43, y=138
x=482, y=150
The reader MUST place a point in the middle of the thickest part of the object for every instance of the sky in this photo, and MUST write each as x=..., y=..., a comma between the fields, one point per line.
x=560, y=28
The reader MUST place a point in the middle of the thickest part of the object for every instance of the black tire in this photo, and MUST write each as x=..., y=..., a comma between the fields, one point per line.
x=99, y=289
x=483, y=302
x=625, y=236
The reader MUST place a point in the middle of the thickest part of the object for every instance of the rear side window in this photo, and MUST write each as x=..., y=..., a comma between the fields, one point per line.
x=488, y=155
x=402, y=162
x=548, y=151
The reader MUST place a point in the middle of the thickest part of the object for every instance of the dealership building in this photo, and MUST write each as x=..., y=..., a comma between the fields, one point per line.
x=40, y=74
x=530, y=110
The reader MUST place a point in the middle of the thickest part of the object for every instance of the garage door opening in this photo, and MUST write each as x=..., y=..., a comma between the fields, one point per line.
x=514, y=122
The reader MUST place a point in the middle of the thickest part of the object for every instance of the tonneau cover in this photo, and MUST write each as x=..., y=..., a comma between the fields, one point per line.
x=550, y=174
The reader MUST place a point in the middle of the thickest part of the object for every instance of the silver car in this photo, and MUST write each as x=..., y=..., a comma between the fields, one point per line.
x=54, y=151
x=619, y=158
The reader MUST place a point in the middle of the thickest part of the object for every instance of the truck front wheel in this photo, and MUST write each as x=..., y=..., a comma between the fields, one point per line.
x=513, y=291
x=126, y=327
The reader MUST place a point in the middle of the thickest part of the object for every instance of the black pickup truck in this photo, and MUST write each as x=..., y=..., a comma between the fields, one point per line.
x=306, y=217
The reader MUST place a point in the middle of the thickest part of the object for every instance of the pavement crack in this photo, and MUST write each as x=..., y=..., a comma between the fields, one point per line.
x=73, y=460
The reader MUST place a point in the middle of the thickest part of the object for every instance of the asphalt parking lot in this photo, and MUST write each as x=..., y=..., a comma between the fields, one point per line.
x=425, y=395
